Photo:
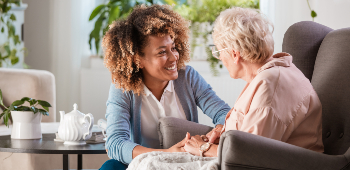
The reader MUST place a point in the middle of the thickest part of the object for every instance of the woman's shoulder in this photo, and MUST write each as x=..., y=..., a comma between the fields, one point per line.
x=187, y=72
x=118, y=94
x=268, y=77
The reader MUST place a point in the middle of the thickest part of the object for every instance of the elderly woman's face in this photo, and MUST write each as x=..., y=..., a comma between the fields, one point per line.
x=230, y=62
x=160, y=61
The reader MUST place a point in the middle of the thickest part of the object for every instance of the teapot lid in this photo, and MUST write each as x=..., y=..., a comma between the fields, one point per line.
x=75, y=109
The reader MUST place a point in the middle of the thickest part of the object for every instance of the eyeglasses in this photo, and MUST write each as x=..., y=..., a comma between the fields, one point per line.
x=216, y=52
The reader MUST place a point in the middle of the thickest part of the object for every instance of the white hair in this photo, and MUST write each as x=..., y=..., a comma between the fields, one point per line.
x=244, y=30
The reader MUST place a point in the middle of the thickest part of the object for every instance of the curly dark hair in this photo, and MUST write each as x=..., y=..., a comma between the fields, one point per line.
x=125, y=40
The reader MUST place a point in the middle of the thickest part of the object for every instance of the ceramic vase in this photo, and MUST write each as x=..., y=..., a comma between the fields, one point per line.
x=26, y=125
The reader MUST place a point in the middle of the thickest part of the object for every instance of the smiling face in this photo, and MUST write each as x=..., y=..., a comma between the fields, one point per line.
x=159, y=63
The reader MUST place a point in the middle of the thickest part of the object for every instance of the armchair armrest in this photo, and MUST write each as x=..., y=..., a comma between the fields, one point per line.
x=241, y=150
x=172, y=130
x=37, y=84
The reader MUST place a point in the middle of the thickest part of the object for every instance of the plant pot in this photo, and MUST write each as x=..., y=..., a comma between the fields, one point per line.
x=26, y=125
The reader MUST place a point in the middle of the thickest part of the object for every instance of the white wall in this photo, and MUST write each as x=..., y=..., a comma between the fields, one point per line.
x=56, y=35
x=284, y=13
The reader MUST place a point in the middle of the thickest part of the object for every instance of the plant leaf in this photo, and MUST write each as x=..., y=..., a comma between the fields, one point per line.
x=97, y=44
x=34, y=109
x=11, y=30
x=16, y=40
x=7, y=9
x=17, y=103
x=14, y=52
x=96, y=11
x=33, y=102
x=114, y=14
x=2, y=114
x=95, y=33
x=313, y=14
x=2, y=30
x=23, y=108
x=13, y=17
x=6, y=117
x=11, y=108
x=43, y=112
x=7, y=48
x=14, y=60
x=46, y=108
x=1, y=102
x=26, y=99
x=44, y=103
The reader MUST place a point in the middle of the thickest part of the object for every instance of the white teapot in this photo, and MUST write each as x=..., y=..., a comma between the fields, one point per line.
x=74, y=127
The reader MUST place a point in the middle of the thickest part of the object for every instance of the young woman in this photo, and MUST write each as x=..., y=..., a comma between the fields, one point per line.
x=146, y=55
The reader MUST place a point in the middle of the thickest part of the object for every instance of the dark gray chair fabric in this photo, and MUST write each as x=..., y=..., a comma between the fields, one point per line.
x=241, y=150
x=331, y=80
x=324, y=57
x=172, y=130
x=302, y=40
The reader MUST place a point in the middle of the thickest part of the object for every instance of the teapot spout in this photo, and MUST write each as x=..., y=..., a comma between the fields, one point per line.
x=62, y=113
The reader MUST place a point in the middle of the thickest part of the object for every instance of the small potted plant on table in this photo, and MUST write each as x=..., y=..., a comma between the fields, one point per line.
x=26, y=119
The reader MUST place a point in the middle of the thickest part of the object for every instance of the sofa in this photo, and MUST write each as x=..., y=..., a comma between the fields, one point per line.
x=323, y=55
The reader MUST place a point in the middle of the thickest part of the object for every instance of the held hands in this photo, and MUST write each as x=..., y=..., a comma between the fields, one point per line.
x=193, y=144
x=179, y=147
x=214, y=135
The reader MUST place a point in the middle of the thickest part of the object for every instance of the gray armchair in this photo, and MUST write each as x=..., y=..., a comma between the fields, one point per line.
x=323, y=55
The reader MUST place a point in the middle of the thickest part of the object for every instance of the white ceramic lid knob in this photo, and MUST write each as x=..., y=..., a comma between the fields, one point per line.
x=75, y=106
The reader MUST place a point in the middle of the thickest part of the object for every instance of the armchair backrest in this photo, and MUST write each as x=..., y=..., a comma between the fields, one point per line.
x=323, y=55
x=302, y=40
x=37, y=84
x=331, y=80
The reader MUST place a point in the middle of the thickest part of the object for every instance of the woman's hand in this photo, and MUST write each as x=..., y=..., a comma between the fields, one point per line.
x=213, y=137
x=193, y=145
x=179, y=147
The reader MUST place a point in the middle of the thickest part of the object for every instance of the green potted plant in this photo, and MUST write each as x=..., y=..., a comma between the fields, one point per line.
x=112, y=10
x=10, y=44
x=26, y=119
x=202, y=14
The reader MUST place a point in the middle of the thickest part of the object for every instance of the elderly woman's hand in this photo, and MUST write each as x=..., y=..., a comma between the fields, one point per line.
x=179, y=147
x=214, y=135
x=192, y=145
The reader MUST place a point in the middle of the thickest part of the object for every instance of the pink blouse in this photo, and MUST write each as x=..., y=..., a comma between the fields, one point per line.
x=279, y=103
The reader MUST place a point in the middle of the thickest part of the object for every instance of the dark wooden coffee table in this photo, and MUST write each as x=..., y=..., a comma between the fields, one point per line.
x=47, y=145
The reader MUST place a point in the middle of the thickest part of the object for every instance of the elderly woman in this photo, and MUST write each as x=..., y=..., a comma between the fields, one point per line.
x=278, y=101
x=146, y=55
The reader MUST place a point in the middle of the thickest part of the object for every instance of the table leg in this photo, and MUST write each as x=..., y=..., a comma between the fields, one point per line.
x=65, y=162
x=80, y=161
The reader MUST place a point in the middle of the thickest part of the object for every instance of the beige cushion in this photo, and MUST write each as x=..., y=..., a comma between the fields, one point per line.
x=37, y=84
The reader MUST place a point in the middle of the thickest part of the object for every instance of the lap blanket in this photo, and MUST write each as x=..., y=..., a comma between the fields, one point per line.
x=170, y=161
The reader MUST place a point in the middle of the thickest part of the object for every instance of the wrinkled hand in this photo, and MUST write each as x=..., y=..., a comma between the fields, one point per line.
x=179, y=147
x=214, y=135
x=193, y=145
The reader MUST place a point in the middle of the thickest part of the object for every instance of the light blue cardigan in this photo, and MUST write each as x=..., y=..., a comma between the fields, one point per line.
x=124, y=112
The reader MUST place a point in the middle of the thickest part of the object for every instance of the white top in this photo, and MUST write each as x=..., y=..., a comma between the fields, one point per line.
x=152, y=110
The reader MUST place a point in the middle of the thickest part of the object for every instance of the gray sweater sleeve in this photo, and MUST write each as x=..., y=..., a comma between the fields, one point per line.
x=118, y=114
